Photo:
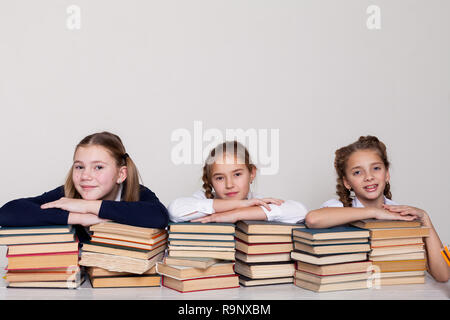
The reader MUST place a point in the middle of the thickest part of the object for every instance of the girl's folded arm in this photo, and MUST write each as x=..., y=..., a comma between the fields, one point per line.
x=189, y=208
x=148, y=212
x=333, y=216
x=289, y=211
x=27, y=211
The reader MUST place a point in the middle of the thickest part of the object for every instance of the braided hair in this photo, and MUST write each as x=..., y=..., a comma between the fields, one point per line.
x=240, y=153
x=343, y=154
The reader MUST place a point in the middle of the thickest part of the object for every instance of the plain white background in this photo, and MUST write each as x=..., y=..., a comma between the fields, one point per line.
x=311, y=69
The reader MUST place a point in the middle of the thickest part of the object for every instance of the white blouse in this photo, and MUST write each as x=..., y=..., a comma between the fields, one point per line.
x=198, y=206
x=355, y=203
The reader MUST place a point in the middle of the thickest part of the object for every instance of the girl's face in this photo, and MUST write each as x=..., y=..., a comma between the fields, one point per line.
x=96, y=175
x=366, y=174
x=231, y=180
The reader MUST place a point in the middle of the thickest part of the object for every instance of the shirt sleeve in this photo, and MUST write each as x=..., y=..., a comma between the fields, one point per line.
x=289, y=212
x=148, y=212
x=332, y=203
x=189, y=208
x=27, y=212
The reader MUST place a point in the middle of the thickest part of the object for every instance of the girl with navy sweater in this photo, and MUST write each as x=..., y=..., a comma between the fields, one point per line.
x=102, y=184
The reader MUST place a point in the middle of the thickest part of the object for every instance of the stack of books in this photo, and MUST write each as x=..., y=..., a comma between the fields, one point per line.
x=263, y=252
x=200, y=257
x=41, y=257
x=331, y=259
x=397, y=250
x=120, y=255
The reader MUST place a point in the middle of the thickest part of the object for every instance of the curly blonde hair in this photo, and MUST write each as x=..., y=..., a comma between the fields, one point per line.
x=341, y=157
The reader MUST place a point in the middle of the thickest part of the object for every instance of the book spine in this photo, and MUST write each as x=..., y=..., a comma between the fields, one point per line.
x=42, y=254
x=261, y=243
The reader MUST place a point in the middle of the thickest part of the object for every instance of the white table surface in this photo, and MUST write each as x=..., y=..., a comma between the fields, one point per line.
x=430, y=290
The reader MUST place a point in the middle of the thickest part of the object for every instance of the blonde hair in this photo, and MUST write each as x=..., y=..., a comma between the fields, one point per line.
x=241, y=156
x=115, y=147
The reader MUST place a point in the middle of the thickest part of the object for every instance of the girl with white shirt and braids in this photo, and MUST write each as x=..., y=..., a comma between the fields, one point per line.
x=363, y=168
x=226, y=196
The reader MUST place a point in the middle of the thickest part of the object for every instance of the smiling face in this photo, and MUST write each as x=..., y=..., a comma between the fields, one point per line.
x=95, y=174
x=231, y=179
x=367, y=175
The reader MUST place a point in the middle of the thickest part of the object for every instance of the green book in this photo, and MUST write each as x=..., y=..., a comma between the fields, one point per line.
x=339, y=232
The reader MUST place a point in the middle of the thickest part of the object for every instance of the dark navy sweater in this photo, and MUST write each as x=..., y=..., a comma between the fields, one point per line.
x=148, y=212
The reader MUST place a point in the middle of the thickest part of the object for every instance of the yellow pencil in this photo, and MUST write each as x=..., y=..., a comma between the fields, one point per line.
x=446, y=254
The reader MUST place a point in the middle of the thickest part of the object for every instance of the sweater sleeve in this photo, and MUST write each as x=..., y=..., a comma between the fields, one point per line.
x=148, y=212
x=27, y=212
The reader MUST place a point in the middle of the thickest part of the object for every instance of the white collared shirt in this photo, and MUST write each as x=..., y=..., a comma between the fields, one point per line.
x=119, y=193
x=198, y=206
x=355, y=203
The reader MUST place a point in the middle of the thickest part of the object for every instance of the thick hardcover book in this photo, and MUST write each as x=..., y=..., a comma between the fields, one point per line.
x=184, y=273
x=35, y=230
x=129, y=240
x=203, y=243
x=26, y=238
x=305, y=276
x=265, y=270
x=119, y=263
x=400, y=265
x=395, y=233
x=330, y=249
x=201, y=284
x=267, y=227
x=122, y=251
x=63, y=274
x=350, y=285
x=43, y=261
x=126, y=230
x=339, y=232
x=328, y=258
x=47, y=284
x=43, y=248
x=201, y=236
x=130, y=281
x=248, y=282
x=222, y=255
x=263, y=238
x=265, y=257
x=128, y=244
x=198, y=227
x=261, y=248
x=201, y=263
x=334, y=269
x=378, y=224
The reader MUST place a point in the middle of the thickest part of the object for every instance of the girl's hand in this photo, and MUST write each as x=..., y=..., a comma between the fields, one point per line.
x=261, y=202
x=384, y=214
x=74, y=205
x=229, y=217
x=407, y=211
